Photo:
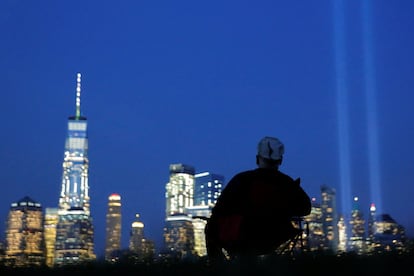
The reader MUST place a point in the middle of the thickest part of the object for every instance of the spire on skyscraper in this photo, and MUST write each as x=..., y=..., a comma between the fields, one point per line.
x=78, y=94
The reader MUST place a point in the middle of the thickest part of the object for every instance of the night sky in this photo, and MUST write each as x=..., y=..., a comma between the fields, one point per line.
x=199, y=83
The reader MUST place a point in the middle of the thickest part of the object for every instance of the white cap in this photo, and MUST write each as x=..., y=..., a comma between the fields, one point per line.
x=270, y=148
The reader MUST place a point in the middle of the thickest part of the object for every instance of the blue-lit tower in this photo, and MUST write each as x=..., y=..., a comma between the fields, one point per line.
x=75, y=189
x=74, y=231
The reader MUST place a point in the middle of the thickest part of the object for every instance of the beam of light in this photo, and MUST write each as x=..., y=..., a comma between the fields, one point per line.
x=371, y=106
x=342, y=106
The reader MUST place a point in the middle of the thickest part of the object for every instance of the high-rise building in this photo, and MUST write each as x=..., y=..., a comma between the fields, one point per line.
x=178, y=230
x=113, y=226
x=357, y=225
x=179, y=236
x=136, y=235
x=180, y=189
x=74, y=232
x=329, y=218
x=389, y=236
x=371, y=228
x=50, y=223
x=316, y=237
x=342, y=236
x=142, y=248
x=74, y=238
x=24, y=234
x=207, y=189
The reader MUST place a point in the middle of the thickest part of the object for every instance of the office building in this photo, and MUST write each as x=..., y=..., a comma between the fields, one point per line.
x=74, y=233
x=178, y=229
x=74, y=238
x=50, y=223
x=141, y=248
x=207, y=189
x=113, y=226
x=24, y=234
x=179, y=236
x=316, y=236
x=329, y=218
x=180, y=189
x=389, y=236
x=357, y=224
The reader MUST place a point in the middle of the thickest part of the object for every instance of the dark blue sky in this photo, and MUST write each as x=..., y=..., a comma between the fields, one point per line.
x=199, y=83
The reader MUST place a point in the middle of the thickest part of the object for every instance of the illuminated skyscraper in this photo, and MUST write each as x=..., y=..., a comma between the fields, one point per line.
x=24, y=234
x=74, y=192
x=329, y=218
x=357, y=224
x=50, y=223
x=113, y=226
x=178, y=230
x=141, y=248
x=207, y=188
x=179, y=236
x=74, y=232
x=342, y=236
x=389, y=236
x=180, y=189
x=316, y=238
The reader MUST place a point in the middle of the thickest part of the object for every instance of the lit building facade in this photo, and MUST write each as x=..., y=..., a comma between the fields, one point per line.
x=50, y=223
x=342, y=235
x=178, y=230
x=24, y=234
x=74, y=201
x=389, y=236
x=329, y=218
x=74, y=238
x=113, y=226
x=180, y=189
x=136, y=236
x=179, y=236
x=142, y=248
x=207, y=189
x=316, y=237
x=357, y=224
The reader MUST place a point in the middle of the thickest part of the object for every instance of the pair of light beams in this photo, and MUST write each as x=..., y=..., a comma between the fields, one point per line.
x=342, y=103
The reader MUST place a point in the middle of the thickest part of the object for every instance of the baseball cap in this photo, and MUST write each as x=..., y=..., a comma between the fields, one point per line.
x=270, y=148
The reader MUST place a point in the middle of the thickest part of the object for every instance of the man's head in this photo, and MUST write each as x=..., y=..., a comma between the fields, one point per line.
x=270, y=152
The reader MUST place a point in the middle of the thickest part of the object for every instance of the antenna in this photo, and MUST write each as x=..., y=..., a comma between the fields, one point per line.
x=78, y=93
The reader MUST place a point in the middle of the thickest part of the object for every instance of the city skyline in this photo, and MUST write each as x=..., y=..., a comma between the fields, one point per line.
x=200, y=84
x=127, y=227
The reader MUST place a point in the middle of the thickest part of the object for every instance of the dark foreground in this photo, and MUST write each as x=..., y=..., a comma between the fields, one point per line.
x=276, y=265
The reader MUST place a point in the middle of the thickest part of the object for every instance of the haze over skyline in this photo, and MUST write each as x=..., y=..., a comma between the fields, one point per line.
x=200, y=84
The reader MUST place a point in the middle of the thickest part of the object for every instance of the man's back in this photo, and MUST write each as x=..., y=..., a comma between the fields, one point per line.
x=263, y=201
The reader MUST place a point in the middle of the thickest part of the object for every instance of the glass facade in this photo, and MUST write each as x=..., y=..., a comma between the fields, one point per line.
x=74, y=237
x=76, y=246
x=208, y=187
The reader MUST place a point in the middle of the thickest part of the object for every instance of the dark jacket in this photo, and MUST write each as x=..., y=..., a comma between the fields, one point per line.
x=254, y=212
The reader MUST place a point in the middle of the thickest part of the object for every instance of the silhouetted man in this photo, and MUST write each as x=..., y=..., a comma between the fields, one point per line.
x=253, y=215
